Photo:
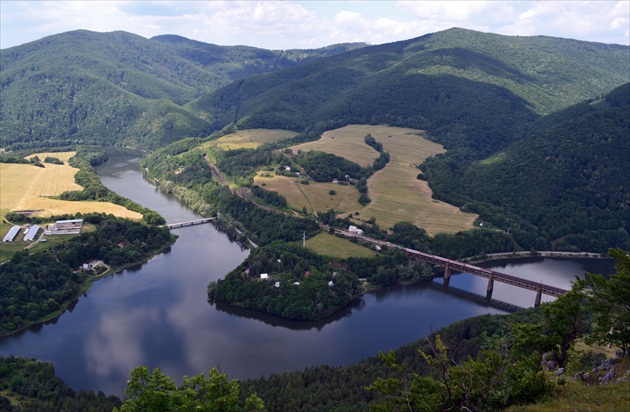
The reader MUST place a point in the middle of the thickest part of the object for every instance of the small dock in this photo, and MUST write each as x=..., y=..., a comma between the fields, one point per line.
x=189, y=223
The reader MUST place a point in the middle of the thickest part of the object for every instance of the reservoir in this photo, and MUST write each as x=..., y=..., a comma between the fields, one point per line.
x=156, y=314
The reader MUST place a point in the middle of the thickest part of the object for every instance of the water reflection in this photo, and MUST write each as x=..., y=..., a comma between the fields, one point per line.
x=156, y=314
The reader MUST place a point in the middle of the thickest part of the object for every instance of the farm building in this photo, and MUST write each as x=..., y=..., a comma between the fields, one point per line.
x=11, y=234
x=32, y=232
x=66, y=227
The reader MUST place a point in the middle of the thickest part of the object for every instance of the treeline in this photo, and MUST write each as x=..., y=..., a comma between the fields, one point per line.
x=260, y=225
x=301, y=284
x=324, y=167
x=459, y=245
x=93, y=189
x=35, y=286
x=562, y=187
x=36, y=388
x=487, y=362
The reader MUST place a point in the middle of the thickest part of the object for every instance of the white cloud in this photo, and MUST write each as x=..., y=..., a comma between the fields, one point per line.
x=305, y=24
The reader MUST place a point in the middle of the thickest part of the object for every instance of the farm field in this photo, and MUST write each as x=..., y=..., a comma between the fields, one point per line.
x=315, y=196
x=347, y=142
x=396, y=193
x=330, y=245
x=249, y=139
x=24, y=187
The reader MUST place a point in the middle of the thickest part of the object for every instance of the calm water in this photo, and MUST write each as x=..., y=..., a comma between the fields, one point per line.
x=156, y=314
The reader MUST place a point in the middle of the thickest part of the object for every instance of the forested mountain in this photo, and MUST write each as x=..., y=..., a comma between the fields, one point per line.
x=467, y=89
x=120, y=88
x=569, y=176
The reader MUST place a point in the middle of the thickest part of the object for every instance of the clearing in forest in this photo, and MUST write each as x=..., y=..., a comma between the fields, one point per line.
x=342, y=248
x=249, y=138
x=396, y=193
x=314, y=196
x=25, y=187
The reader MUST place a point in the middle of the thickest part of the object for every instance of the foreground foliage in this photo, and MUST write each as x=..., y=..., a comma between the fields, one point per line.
x=157, y=392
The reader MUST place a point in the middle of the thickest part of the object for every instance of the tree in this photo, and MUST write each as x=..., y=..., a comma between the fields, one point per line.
x=157, y=392
x=610, y=302
x=565, y=320
x=492, y=380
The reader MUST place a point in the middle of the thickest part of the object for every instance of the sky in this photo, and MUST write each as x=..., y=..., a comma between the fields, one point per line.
x=312, y=24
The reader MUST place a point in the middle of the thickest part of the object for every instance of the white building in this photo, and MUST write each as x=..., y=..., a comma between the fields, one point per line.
x=11, y=234
x=355, y=229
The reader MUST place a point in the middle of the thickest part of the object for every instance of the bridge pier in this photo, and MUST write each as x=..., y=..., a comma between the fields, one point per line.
x=447, y=276
x=538, y=296
x=490, y=287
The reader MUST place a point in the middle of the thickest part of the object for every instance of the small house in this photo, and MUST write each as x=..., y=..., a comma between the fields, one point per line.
x=264, y=276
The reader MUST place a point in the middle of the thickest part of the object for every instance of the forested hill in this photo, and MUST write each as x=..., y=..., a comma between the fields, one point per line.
x=467, y=89
x=570, y=176
x=120, y=88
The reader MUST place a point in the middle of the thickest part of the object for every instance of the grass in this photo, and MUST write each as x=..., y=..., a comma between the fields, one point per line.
x=249, y=138
x=346, y=142
x=333, y=246
x=26, y=187
x=576, y=396
x=396, y=193
x=315, y=196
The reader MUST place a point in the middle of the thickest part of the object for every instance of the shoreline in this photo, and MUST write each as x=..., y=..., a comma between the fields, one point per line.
x=85, y=287
x=546, y=253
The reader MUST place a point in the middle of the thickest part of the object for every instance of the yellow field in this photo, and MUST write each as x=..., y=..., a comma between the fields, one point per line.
x=395, y=191
x=249, y=138
x=314, y=196
x=23, y=187
x=346, y=142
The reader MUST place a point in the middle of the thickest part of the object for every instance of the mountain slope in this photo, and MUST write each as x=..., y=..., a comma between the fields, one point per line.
x=569, y=176
x=120, y=88
x=468, y=89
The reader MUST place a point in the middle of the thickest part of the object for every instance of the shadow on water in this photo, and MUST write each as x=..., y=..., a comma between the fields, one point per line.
x=277, y=321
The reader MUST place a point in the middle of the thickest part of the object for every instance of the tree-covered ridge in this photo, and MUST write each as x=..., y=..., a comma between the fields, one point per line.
x=35, y=286
x=119, y=88
x=39, y=389
x=569, y=177
x=459, y=85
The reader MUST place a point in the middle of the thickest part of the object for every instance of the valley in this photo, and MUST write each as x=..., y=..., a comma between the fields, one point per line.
x=458, y=143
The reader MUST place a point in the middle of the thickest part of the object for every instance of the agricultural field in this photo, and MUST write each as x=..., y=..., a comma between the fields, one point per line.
x=333, y=246
x=315, y=196
x=26, y=187
x=395, y=191
x=249, y=139
x=347, y=142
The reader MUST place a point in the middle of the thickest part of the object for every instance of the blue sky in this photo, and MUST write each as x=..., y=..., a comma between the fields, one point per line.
x=312, y=24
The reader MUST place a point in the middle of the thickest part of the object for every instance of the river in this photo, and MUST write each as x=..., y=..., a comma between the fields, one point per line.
x=156, y=314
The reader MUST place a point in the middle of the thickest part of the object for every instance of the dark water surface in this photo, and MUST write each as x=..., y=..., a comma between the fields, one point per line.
x=156, y=314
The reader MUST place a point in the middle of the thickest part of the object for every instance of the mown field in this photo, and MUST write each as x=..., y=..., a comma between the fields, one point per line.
x=315, y=196
x=346, y=142
x=25, y=187
x=249, y=138
x=395, y=191
x=329, y=245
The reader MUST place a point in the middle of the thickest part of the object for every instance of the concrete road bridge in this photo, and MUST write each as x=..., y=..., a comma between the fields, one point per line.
x=189, y=223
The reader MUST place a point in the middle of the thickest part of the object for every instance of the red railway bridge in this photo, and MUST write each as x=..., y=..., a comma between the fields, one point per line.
x=450, y=265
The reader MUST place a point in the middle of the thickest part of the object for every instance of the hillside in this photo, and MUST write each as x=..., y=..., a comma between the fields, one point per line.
x=119, y=88
x=467, y=89
x=569, y=176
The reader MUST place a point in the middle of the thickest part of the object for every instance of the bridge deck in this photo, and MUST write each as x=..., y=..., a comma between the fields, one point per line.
x=189, y=223
x=486, y=273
